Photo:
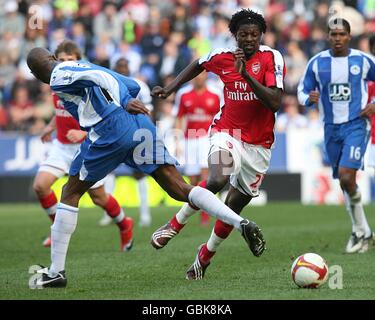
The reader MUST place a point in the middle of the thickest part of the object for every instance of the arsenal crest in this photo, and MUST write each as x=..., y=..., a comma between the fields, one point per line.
x=255, y=67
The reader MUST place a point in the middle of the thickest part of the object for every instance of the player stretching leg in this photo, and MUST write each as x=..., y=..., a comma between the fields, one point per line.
x=241, y=133
x=119, y=131
x=67, y=142
x=336, y=80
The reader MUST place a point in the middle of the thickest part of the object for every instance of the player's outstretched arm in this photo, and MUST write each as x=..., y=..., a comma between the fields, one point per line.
x=189, y=73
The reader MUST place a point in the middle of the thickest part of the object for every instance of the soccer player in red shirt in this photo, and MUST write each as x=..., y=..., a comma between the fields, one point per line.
x=242, y=133
x=197, y=104
x=68, y=139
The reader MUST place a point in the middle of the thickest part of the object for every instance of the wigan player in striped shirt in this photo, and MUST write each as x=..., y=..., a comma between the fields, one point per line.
x=69, y=136
x=336, y=80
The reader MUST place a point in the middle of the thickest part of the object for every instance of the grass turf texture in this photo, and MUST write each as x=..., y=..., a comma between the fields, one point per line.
x=96, y=269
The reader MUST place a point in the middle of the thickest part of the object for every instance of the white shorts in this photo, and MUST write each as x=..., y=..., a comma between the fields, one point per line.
x=59, y=159
x=196, y=155
x=371, y=155
x=251, y=162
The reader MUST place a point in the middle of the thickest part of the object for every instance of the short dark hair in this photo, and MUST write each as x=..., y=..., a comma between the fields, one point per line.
x=335, y=22
x=69, y=47
x=246, y=16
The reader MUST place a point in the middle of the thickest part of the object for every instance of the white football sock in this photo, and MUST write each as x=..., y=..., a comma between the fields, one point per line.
x=214, y=241
x=207, y=201
x=359, y=214
x=61, y=231
x=349, y=209
x=143, y=197
x=119, y=217
x=51, y=210
x=185, y=212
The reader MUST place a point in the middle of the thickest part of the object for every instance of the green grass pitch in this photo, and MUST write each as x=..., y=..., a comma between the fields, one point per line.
x=96, y=269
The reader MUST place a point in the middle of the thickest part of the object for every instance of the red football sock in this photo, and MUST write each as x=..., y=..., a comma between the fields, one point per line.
x=205, y=218
x=203, y=184
x=124, y=224
x=222, y=229
x=48, y=202
x=175, y=224
x=205, y=255
x=113, y=209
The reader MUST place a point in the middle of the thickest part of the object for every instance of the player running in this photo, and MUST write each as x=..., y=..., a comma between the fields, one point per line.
x=119, y=131
x=69, y=136
x=336, y=79
x=241, y=134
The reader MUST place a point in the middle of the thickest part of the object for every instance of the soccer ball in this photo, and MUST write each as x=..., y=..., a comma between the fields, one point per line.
x=309, y=271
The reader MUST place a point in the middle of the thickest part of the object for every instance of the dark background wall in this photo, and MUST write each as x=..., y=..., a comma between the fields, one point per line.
x=279, y=187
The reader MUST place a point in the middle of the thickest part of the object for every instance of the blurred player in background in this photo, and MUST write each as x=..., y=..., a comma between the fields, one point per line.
x=336, y=80
x=121, y=65
x=69, y=136
x=241, y=135
x=119, y=131
x=197, y=104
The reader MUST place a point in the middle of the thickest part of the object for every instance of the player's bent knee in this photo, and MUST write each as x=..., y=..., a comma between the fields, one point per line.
x=69, y=196
x=40, y=188
x=99, y=201
x=347, y=182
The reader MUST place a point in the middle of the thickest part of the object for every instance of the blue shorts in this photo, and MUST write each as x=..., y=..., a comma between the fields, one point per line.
x=120, y=138
x=346, y=144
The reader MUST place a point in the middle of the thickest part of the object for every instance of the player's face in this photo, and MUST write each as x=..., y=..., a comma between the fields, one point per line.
x=43, y=70
x=122, y=67
x=248, y=38
x=339, y=40
x=63, y=56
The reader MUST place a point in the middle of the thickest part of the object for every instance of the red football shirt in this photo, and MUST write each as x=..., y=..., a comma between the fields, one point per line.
x=199, y=108
x=242, y=109
x=371, y=98
x=64, y=121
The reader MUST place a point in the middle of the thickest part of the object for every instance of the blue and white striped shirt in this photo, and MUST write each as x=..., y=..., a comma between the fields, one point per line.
x=90, y=92
x=342, y=83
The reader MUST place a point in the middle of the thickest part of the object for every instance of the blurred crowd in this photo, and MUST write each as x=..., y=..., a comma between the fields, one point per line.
x=158, y=38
